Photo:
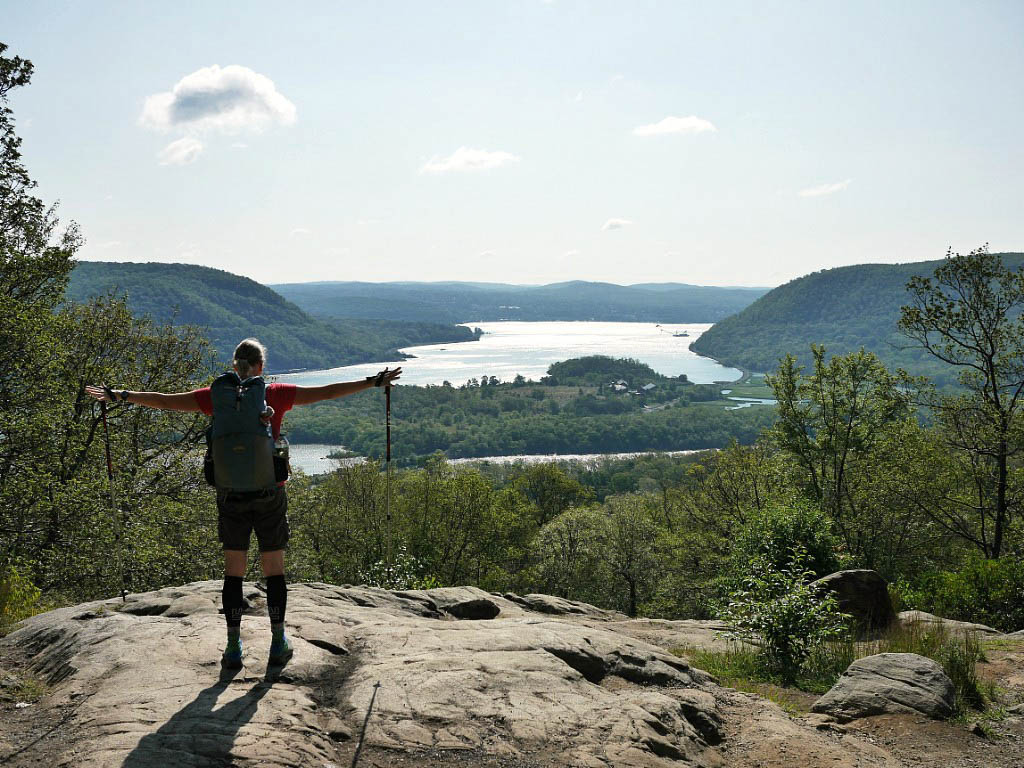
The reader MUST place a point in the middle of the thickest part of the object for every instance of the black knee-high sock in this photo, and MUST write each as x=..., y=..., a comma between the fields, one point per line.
x=277, y=599
x=231, y=598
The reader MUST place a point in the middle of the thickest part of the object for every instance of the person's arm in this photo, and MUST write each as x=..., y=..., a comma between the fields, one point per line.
x=307, y=395
x=180, y=401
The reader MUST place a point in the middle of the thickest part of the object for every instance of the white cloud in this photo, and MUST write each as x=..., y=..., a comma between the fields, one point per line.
x=181, y=152
x=300, y=231
x=579, y=97
x=466, y=159
x=825, y=189
x=226, y=99
x=109, y=244
x=487, y=255
x=570, y=254
x=690, y=125
x=615, y=224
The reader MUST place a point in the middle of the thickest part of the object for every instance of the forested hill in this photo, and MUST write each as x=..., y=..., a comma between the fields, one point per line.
x=455, y=302
x=844, y=309
x=232, y=307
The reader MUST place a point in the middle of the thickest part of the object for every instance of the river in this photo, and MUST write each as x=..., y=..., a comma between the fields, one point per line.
x=510, y=348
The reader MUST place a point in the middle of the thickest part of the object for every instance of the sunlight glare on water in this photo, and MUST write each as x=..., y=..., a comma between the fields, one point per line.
x=508, y=348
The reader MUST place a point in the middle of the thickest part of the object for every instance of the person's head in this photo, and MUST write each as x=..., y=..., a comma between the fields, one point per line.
x=249, y=358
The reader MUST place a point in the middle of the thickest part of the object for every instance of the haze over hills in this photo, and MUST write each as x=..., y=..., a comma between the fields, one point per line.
x=454, y=302
x=844, y=308
x=232, y=307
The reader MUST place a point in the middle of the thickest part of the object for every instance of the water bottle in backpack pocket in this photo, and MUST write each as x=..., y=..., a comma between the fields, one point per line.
x=282, y=467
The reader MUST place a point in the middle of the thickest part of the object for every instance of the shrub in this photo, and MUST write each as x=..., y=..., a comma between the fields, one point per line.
x=778, y=530
x=19, y=597
x=403, y=573
x=984, y=591
x=777, y=610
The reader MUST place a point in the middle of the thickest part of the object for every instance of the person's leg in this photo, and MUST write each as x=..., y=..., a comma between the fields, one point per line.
x=272, y=562
x=277, y=590
x=271, y=526
x=234, y=530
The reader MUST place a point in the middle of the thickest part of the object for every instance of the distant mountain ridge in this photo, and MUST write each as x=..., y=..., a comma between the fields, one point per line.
x=454, y=302
x=843, y=308
x=233, y=307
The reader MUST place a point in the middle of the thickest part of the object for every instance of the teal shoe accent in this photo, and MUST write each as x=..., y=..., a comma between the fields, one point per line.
x=280, y=651
x=232, y=658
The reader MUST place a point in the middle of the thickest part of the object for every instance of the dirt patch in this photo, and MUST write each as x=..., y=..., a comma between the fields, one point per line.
x=921, y=742
x=1004, y=666
x=36, y=734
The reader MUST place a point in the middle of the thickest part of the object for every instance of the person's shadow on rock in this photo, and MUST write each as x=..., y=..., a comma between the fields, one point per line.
x=200, y=731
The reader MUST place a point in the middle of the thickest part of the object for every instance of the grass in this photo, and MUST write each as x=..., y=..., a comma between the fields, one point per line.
x=750, y=390
x=739, y=667
x=742, y=667
x=30, y=690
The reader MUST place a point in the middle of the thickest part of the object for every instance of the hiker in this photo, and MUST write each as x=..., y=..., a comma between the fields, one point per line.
x=256, y=409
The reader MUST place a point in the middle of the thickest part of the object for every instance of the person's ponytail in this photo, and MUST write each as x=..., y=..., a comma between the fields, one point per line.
x=249, y=354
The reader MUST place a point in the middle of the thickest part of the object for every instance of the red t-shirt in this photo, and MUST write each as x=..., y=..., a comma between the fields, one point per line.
x=280, y=397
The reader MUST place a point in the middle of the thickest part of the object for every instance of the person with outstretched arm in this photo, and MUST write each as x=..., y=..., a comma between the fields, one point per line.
x=257, y=502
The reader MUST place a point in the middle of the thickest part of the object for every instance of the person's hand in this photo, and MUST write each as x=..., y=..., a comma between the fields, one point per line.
x=387, y=376
x=101, y=393
x=267, y=415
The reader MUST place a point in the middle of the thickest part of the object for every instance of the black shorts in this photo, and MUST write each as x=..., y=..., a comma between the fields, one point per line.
x=239, y=513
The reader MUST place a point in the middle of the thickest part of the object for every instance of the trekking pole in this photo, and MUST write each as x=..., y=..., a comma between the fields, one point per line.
x=387, y=470
x=366, y=721
x=113, y=504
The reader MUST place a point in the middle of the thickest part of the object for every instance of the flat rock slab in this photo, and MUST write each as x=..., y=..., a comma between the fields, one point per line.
x=909, y=618
x=676, y=634
x=139, y=684
x=559, y=606
x=890, y=683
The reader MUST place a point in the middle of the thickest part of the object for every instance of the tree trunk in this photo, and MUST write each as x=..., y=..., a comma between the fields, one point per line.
x=997, y=536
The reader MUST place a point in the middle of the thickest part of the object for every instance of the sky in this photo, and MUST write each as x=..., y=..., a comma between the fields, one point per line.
x=713, y=143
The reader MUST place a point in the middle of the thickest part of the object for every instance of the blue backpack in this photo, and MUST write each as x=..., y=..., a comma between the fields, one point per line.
x=240, y=446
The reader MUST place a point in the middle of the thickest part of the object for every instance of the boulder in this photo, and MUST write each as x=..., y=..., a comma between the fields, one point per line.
x=864, y=595
x=890, y=683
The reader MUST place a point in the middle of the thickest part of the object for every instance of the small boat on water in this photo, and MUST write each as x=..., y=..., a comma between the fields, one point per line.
x=680, y=333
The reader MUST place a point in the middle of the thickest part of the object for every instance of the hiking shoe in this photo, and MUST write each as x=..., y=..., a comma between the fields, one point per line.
x=232, y=658
x=280, y=651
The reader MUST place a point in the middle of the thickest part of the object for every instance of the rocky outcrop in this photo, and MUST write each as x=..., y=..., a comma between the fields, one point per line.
x=864, y=595
x=396, y=675
x=890, y=683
